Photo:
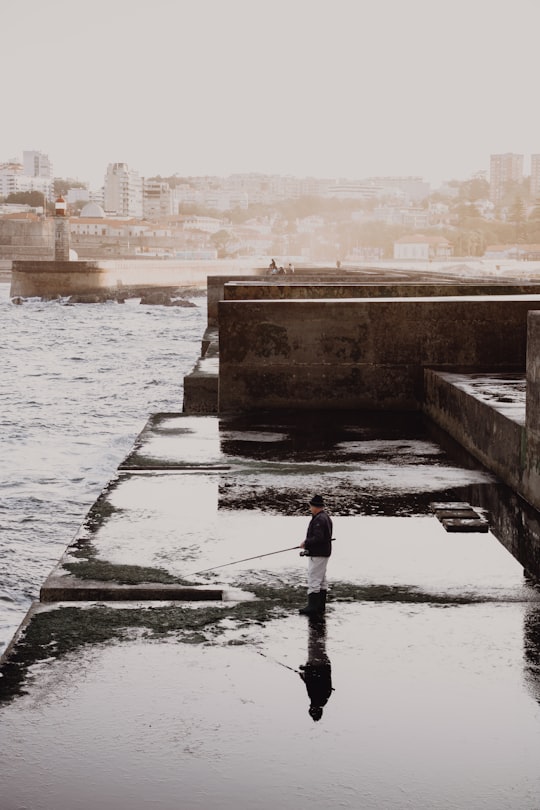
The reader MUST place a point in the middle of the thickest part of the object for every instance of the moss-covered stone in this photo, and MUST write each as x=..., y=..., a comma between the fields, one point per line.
x=55, y=633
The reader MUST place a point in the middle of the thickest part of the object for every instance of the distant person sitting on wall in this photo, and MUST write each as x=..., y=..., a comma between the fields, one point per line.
x=282, y=270
x=290, y=268
x=338, y=264
x=273, y=266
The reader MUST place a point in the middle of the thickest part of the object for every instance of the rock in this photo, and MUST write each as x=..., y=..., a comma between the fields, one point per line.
x=17, y=300
x=181, y=302
x=156, y=299
x=87, y=298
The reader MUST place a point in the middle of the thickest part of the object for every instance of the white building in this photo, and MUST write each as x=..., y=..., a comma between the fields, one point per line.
x=418, y=246
x=504, y=170
x=14, y=180
x=158, y=199
x=37, y=164
x=414, y=189
x=123, y=191
x=535, y=176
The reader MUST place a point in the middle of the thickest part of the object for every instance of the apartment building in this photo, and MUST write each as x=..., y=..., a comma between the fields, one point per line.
x=123, y=191
x=504, y=170
x=535, y=176
x=13, y=180
x=158, y=199
x=37, y=164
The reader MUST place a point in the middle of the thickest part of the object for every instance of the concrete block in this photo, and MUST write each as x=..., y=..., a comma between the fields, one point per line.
x=465, y=525
x=360, y=353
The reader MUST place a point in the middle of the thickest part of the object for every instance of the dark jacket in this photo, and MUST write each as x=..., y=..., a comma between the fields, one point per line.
x=318, y=542
x=318, y=681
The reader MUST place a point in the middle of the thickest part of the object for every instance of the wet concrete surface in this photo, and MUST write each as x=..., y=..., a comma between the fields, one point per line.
x=431, y=641
x=235, y=488
x=433, y=707
x=505, y=393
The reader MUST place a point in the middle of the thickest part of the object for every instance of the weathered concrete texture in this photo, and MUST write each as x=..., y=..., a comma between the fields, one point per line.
x=59, y=587
x=27, y=240
x=201, y=385
x=514, y=522
x=493, y=438
x=235, y=290
x=361, y=353
x=532, y=473
x=56, y=278
x=320, y=281
x=51, y=279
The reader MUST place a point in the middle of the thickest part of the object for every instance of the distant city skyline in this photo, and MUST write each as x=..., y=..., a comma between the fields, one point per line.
x=333, y=88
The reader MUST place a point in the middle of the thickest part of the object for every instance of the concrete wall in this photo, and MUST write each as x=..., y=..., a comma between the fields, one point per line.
x=21, y=239
x=255, y=290
x=508, y=449
x=50, y=279
x=360, y=353
x=310, y=275
x=531, y=478
x=489, y=435
x=514, y=522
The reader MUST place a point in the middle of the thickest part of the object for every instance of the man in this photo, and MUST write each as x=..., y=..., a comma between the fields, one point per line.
x=317, y=672
x=318, y=547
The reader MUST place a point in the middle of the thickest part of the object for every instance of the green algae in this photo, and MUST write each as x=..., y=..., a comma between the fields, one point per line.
x=102, y=509
x=55, y=633
x=87, y=566
x=103, y=571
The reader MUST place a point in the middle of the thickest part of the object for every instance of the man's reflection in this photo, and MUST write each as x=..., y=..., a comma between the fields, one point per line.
x=317, y=671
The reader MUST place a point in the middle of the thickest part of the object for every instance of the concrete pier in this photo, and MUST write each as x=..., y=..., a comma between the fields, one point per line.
x=367, y=354
x=149, y=701
x=166, y=660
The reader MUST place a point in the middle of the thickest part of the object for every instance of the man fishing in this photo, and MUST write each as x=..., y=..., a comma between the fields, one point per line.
x=318, y=547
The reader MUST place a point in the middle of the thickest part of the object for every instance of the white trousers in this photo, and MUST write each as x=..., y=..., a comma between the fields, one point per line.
x=316, y=574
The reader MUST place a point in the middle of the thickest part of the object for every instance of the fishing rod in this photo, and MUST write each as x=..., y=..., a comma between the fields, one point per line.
x=246, y=559
x=275, y=661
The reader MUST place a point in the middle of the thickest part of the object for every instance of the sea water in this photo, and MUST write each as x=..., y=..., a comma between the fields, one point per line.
x=78, y=383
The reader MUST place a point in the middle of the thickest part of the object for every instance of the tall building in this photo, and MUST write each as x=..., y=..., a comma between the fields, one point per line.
x=503, y=170
x=535, y=176
x=157, y=199
x=37, y=164
x=13, y=179
x=123, y=191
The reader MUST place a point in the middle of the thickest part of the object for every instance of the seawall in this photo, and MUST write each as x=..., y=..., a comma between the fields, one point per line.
x=51, y=279
x=359, y=353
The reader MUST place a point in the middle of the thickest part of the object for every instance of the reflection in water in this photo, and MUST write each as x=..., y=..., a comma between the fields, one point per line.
x=317, y=671
x=516, y=524
x=531, y=650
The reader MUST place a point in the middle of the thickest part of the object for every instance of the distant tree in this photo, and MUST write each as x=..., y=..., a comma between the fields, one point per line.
x=221, y=241
x=61, y=185
x=533, y=225
x=517, y=217
x=33, y=198
x=477, y=188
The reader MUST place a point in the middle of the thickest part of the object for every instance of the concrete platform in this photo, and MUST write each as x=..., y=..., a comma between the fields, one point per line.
x=431, y=640
x=431, y=708
x=199, y=492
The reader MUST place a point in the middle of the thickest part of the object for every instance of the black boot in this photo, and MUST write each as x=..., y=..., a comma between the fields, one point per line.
x=322, y=603
x=312, y=607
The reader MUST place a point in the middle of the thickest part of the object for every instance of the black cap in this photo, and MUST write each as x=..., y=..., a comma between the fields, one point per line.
x=317, y=501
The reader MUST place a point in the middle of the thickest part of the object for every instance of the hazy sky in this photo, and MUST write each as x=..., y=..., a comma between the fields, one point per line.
x=307, y=87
